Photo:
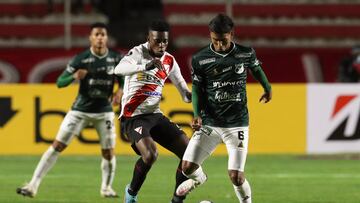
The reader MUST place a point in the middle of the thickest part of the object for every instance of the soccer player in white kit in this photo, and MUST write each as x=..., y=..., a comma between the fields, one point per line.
x=146, y=67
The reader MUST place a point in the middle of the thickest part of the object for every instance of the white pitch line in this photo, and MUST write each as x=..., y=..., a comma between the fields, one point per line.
x=297, y=175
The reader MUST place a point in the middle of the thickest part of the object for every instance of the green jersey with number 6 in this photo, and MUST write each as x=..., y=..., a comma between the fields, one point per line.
x=221, y=79
x=96, y=88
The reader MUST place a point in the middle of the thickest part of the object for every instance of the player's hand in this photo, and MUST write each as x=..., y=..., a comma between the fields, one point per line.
x=80, y=74
x=196, y=123
x=156, y=63
x=266, y=97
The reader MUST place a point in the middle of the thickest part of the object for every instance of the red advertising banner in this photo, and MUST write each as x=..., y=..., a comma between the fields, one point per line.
x=43, y=65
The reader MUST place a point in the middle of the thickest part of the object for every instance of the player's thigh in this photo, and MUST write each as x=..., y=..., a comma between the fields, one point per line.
x=72, y=125
x=170, y=136
x=105, y=127
x=236, y=141
x=202, y=144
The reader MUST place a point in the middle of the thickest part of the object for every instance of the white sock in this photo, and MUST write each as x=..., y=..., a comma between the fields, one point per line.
x=108, y=172
x=46, y=162
x=198, y=175
x=243, y=192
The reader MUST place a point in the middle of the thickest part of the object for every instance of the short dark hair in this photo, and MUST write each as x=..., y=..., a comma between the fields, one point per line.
x=221, y=23
x=98, y=25
x=159, y=25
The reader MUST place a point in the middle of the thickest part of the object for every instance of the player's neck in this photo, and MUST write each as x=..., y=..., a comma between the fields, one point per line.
x=99, y=51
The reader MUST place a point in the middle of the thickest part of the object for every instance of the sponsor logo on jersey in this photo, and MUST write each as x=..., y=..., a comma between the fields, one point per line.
x=88, y=60
x=129, y=53
x=70, y=69
x=242, y=55
x=256, y=62
x=100, y=82
x=239, y=68
x=139, y=130
x=158, y=94
x=206, y=130
x=206, y=61
x=110, y=59
x=195, y=78
x=224, y=96
x=101, y=69
x=220, y=84
x=215, y=71
x=226, y=69
x=142, y=76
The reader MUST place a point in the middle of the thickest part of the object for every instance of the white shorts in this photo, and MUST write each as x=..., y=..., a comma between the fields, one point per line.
x=75, y=121
x=204, y=142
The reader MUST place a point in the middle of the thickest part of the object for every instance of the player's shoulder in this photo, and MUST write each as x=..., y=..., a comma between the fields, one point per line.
x=136, y=51
x=244, y=49
x=84, y=53
x=167, y=54
x=202, y=53
x=113, y=52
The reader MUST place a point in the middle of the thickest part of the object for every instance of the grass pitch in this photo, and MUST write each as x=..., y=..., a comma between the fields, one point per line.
x=273, y=178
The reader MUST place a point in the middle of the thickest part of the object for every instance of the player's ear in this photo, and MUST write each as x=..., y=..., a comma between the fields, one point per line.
x=232, y=33
x=148, y=37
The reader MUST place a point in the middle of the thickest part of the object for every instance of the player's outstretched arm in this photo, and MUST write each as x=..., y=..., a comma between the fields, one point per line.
x=127, y=67
x=260, y=76
x=67, y=78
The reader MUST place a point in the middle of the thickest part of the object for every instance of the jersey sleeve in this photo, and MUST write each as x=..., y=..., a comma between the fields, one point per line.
x=74, y=64
x=196, y=76
x=131, y=63
x=253, y=62
x=257, y=72
x=197, y=80
x=66, y=77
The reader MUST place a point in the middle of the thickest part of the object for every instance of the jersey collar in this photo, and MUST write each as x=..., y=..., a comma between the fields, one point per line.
x=223, y=55
x=100, y=57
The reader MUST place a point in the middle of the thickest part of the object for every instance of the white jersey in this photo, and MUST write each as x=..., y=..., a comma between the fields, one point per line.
x=143, y=88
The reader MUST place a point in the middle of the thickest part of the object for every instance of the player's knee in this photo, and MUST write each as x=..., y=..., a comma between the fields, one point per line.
x=237, y=177
x=188, y=167
x=150, y=157
x=107, y=154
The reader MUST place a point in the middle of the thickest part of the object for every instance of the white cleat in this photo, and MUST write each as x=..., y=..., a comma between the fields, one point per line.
x=108, y=192
x=26, y=191
x=186, y=187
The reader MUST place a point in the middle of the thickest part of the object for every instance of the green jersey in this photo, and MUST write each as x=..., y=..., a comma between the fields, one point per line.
x=96, y=88
x=221, y=80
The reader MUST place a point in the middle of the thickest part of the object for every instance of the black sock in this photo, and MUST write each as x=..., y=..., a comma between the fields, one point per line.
x=139, y=175
x=179, y=179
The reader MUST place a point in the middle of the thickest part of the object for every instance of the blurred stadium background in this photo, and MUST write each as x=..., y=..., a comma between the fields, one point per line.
x=304, y=145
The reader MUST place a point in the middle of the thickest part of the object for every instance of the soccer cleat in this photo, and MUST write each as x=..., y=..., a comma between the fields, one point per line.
x=129, y=198
x=177, y=199
x=26, y=191
x=187, y=186
x=108, y=192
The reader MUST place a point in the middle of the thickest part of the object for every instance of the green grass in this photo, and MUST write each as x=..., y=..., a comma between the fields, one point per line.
x=273, y=178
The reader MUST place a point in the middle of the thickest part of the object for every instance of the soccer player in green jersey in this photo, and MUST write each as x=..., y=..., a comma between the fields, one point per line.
x=219, y=73
x=93, y=68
